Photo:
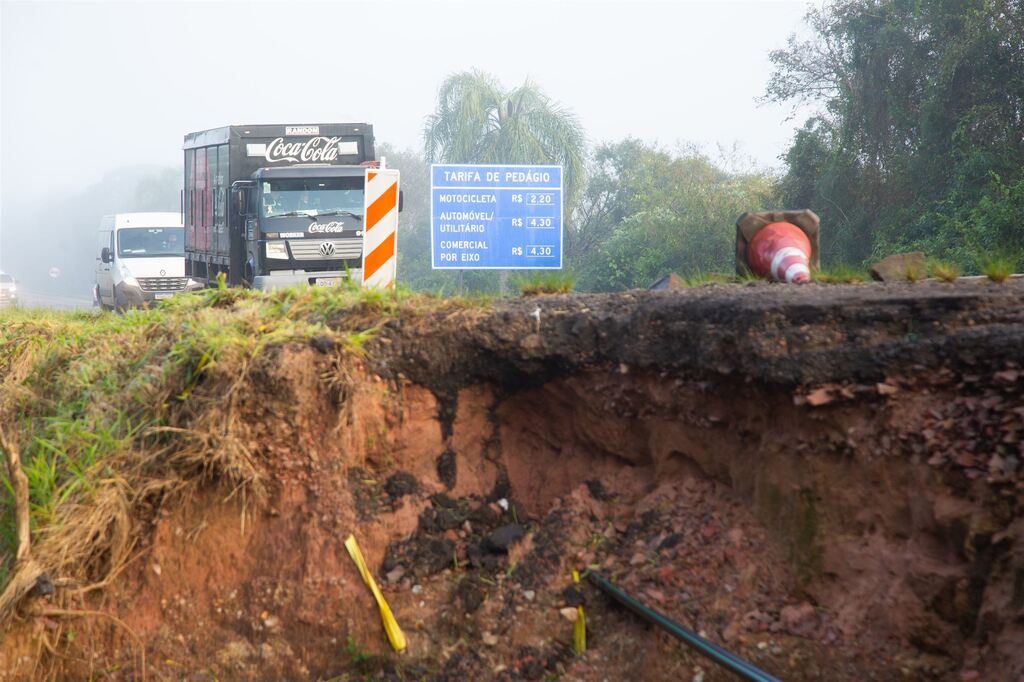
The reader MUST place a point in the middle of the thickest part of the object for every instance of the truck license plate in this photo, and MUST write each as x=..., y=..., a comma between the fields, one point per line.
x=326, y=281
x=163, y=294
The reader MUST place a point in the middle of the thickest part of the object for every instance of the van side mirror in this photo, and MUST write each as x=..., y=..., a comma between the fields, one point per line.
x=401, y=200
x=106, y=256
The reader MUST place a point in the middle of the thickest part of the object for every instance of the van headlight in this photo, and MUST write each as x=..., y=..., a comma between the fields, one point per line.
x=126, y=277
x=277, y=249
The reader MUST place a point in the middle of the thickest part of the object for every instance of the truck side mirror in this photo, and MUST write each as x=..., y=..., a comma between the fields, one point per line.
x=106, y=256
x=238, y=201
x=240, y=196
x=401, y=200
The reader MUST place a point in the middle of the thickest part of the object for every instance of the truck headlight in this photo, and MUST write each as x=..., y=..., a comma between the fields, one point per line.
x=277, y=250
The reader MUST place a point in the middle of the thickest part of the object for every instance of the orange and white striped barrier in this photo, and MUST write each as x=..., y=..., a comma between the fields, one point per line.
x=782, y=252
x=380, y=229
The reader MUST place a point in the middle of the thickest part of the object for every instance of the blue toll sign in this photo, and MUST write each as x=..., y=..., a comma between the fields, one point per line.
x=486, y=217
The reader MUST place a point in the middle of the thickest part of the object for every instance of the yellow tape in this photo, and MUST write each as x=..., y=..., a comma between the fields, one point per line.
x=395, y=634
x=580, y=629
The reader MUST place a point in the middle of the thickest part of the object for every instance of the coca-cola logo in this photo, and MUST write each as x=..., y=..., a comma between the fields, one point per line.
x=333, y=226
x=314, y=150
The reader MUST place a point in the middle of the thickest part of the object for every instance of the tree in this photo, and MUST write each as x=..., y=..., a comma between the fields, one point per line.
x=478, y=121
x=920, y=141
x=647, y=212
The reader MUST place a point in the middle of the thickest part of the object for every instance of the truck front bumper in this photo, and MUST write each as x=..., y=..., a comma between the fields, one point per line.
x=133, y=296
x=280, y=279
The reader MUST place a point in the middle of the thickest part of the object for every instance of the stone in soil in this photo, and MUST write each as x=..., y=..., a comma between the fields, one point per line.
x=500, y=540
x=400, y=484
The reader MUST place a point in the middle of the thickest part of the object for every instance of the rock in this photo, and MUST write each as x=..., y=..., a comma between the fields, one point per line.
x=395, y=574
x=800, y=620
x=416, y=589
x=400, y=484
x=569, y=613
x=671, y=541
x=900, y=267
x=500, y=540
x=573, y=597
x=322, y=344
x=638, y=558
x=490, y=639
x=271, y=622
x=529, y=595
x=669, y=281
x=471, y=594
x=235, y=654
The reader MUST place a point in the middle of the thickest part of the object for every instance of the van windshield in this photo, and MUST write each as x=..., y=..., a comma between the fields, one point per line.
x=139, y=242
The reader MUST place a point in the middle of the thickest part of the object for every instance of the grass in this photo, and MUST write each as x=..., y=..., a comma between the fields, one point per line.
x=113, y=411
x=839, y=274
x=998, y=268
x=944, y=271
x=540, y=282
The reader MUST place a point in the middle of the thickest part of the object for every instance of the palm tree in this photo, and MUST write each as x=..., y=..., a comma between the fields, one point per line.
x=478, y=121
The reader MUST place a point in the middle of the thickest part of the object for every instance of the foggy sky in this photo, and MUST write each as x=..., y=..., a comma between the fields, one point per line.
x=89, y=87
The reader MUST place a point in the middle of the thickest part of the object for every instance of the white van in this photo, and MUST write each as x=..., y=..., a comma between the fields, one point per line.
x=140, y=259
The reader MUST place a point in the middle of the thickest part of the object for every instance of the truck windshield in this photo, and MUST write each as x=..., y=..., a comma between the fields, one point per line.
x=312, y=196
x=139, y=242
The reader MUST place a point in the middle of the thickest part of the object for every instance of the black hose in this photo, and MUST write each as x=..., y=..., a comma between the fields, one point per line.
x=709, y=649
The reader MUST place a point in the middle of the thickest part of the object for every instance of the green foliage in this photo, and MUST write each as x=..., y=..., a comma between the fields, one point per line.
x=539, y=282
x=920, y=143
x=648, y=212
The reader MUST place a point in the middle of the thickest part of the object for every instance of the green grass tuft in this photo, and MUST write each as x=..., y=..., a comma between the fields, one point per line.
x=839, y=274
x=944, y=271
x=998, y=268
x=540, y=282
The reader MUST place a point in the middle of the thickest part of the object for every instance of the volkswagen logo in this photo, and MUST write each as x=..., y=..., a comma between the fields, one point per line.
x=163, y=273
x=327, y=249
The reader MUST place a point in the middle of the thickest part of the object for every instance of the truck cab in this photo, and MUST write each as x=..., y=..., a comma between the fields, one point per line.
x=303, y=224
x=140, y=259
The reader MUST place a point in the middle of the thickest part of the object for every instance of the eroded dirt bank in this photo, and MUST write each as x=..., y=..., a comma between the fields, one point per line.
x=825, y=479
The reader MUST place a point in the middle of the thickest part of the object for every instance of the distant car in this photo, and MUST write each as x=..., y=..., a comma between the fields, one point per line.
x=8, y=290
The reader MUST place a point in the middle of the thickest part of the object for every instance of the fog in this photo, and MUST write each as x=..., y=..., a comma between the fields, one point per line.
x=96, y=97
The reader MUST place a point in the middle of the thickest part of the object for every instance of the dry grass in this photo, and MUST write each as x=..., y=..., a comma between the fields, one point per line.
x=116, y=415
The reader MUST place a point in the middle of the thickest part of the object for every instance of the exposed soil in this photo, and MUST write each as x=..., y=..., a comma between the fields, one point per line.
x=825, y=480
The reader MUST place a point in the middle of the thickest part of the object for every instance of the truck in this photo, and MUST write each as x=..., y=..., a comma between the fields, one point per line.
x=269, y=206
x=139, y=260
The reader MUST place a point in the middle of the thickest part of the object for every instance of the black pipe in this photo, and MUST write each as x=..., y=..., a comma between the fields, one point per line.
x=711, y=650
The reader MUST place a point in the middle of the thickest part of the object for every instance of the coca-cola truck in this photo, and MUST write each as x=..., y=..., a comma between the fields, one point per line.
x=275, y=205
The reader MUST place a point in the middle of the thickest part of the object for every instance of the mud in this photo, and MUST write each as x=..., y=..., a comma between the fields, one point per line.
x=826, y=480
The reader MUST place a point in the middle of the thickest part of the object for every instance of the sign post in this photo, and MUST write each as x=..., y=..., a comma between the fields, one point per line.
x=495, y=217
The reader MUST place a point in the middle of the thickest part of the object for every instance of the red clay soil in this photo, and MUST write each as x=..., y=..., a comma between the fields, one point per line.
x=825, y=480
